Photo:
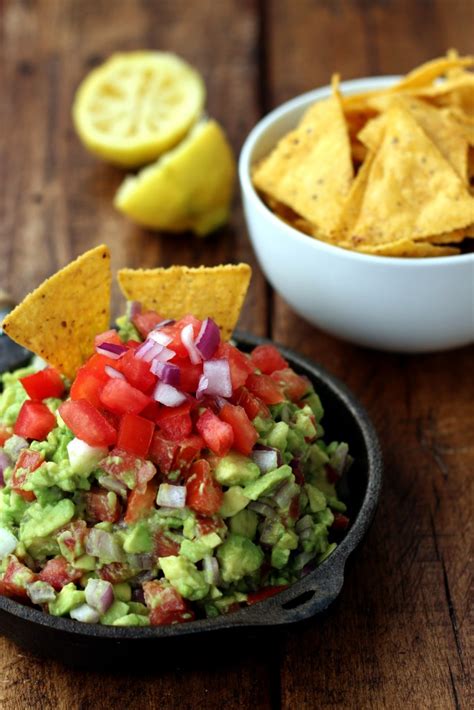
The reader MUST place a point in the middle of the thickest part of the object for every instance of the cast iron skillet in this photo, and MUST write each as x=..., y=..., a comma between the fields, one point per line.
x=83, y=644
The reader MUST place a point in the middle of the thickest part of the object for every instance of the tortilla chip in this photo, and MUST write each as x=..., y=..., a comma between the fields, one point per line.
x=454, y=237
x=311, y=169
x=411, y=191
x=58, y=321
x=217, y=292
x=408, y=248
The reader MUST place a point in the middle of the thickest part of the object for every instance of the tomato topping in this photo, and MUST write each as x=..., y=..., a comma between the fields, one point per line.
x=188, y=449
x=43, y=384
x=166, y=604
x=122, y=398
x=135, y=434
x=151, y=410
x=87, y=423
x=341, y=522
x=245, y=434
x=265, y=388
x=162, y=452
x=5, y=433
x=133, y=471
x=218, y=435
x=146, y=321
x=174, y=332
x=240, y=364
x=254, y=407
x=189, y=374
x=115, y=572
x=205, y=526
x=16, y=577
x=87, y=385
x=268, y=359
x=264, y=593
x=203, y=492
x=58, y=572
x=34, y=421
x=175, y=422
x=97, y=363
x=292, y=384
x=27, y=462
x=136, y=371
x=164, y=546
x=108, y=336
x=102, y=506
x=139, y=504
x=73, y=537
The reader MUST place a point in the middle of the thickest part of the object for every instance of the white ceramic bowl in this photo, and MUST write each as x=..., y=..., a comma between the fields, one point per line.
x=405, y=305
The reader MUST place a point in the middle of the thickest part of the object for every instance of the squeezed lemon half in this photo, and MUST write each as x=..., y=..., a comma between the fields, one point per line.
x=189, y=188
x=137, y=105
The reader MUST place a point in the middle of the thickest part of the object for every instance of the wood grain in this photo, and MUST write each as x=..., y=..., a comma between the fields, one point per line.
x=400, y=635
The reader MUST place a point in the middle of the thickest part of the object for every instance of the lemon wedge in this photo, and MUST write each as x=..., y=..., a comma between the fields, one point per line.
x=137, y=105
x=188, y=188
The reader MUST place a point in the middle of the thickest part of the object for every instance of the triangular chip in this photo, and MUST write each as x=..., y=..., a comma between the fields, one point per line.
x=411, y=190
x=58, y=321
x=311, y=169
x=217, y=292
x=408, y=248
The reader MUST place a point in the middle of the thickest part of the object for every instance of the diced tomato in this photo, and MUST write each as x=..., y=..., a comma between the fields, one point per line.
x=34, y=421
x=97, y=363
x=188, y=449
x=7, y=589
x=264, y=593
x=27, y=462
x=133, y=471
x=135, y=434
x=139, y=504
x=265, y=388
x=254, y=407
x=162, y=452
x=331, y=474
x=175, y=422
x=292, y=384
x=166, y=604
x=58, y=572
x=203, y=493
x=189, y=374
x=146, y=321
x=87, y=385
x=241, y=366
x=102, y=506
x=218, y=435
x=341, y=522
x=268, y=359
x=43, y=384
x=73, y=537
x=245, y=434
x=297, y=469
x=108, y=336
x=205, y=526
x=294, y=510
x=122, y=398
x=5, y=433
x=115, y=572
x=136, y=371
x=16, y=577
x=174, y=332
x=151, y=411
x=87, y=423
x=164, y=546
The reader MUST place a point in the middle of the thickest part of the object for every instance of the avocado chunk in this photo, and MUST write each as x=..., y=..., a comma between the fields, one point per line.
x=244, y=523
x=43, y=521
x=196, y=550
x=114, y=612
x=235, y=470
x=233, y=501
x=68, y=598
x=280, y=557
x=184, y=577
x=278, y=436
x=268, y=482
x=132, y=620
x=317, y=499
x=138, y=539
x=238, y=557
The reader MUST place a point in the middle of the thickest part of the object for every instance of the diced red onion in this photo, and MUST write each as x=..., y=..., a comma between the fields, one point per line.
x=40, y=592
x=99, y=594
x=163, y=356
x=85, y=613
x=285, y=494
x=160, y=338
x=266, y=459
x=211, y=570
x=171, y=496
x=135, y=307
x=8, y=542
x=111, y=350
x=208, y=339
x=142, y=561
x=262, y=509
x=304, y=523
x=112, y=372
x=187, y=338
x=168, y=373
x=151, y=350
x=339, y=458
x=168, y=395
x=202, y=387
x=104, y=545
x=138, y=595
x=297, y=468
x=217, y=374
x=113, y=484
x=163, y=323
x=4, y=463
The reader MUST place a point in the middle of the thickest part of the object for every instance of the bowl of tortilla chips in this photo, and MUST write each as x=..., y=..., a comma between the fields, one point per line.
x=359, y=201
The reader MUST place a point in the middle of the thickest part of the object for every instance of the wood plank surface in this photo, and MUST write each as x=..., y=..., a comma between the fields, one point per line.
x=400, y=635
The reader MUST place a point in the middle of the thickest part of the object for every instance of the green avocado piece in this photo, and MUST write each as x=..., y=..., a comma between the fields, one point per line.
x=316, y=498
x=138, y=539
x=114, y=612
x=68, y=598
x=244, y=523
x=12, y=508
x=54, y=447
x=132, y=620
x=314, y=402
x=238, y=556
x=235, y=469
x=86, y=563
x=303, y=422
x=122, y=592
x=196, y=550
x=233, y=501
x=268, y=482
x=278, y=436
x=185, y=577
x=279, y=557
x=41, y=521
x=126, y=329
x=13, y=395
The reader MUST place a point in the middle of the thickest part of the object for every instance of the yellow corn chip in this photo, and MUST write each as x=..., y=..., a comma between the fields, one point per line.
x=311, y=169
x=217, y=292
x=58, y=321
x=408, y=248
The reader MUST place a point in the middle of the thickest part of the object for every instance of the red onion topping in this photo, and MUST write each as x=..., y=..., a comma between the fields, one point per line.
x=163, y=356
x=208, y=339
x=149, y=350
x=4, y=463
x=168, y=373
x=85, y=613
x=163, y=323
x=104, y=545
x=168, y=395
x=202, y=387
x=112, y=372
x=160, y=338
x=217, y=373
x=262, y=509
x=171, y=496
x=111, y=350
x=285, y=494
x=187, y=338
x=266, y=460
x=99, y=594
x=40, y=592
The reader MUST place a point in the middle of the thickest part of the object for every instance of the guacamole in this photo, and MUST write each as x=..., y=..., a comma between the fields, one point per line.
x=175, y=478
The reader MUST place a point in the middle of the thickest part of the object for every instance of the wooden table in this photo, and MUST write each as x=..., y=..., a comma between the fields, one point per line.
x=399, y=635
